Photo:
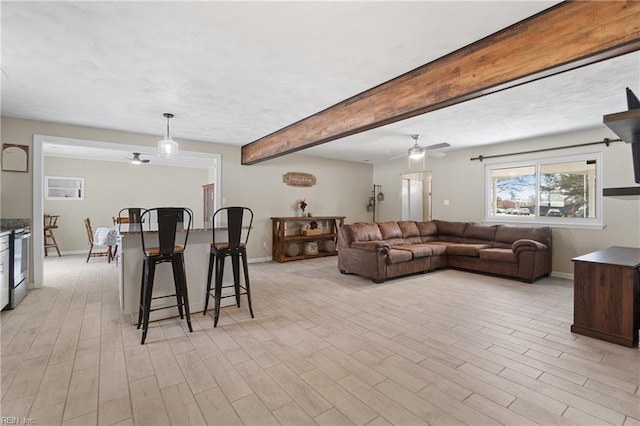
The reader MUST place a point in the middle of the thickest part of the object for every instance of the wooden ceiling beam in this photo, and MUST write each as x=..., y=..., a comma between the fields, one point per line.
x=564, y=37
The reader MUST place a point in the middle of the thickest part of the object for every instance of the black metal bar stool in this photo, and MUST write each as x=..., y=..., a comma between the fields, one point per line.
x=170, y=219
x=237, y=249
x=131, y=219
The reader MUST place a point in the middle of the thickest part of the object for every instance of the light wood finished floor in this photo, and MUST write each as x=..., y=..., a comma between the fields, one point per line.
x=447, y=347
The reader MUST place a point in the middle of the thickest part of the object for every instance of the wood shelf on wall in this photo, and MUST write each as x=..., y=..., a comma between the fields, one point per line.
x=625, y=124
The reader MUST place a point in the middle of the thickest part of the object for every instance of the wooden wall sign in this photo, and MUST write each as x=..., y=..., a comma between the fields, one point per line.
x=15, y=158
x=299, y=179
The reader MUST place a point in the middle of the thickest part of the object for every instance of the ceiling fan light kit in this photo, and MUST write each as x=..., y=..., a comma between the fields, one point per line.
x=167, y=147
x=137, y=160
x=416, y=152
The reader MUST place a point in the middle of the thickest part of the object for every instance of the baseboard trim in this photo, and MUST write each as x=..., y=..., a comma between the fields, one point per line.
x=564, y=275
x=74, y=252
x=71, y=252
x=259, y=259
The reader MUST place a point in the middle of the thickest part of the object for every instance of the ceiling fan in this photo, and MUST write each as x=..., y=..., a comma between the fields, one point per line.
x=417, y=152
x=137, y=160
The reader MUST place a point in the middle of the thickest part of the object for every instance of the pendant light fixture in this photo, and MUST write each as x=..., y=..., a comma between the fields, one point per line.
x=167, y=147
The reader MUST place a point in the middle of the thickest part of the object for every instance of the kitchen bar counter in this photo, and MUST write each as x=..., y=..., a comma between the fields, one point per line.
x=130, y=260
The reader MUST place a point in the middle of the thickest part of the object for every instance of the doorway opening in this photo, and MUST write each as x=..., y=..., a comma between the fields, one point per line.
x=416, y=196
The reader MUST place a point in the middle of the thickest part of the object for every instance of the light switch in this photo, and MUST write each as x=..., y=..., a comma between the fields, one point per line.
x=446, y=202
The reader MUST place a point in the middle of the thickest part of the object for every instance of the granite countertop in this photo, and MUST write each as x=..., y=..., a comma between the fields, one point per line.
x=8, y=225
x=217, y=228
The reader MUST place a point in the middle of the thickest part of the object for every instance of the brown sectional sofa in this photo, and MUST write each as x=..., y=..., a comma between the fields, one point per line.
x=392, y=249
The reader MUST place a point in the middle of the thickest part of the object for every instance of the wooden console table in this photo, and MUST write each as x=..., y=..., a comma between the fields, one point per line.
x=606, y=295
x=285, y=232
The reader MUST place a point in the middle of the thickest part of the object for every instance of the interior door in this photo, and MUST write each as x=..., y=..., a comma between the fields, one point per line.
x=412, y=199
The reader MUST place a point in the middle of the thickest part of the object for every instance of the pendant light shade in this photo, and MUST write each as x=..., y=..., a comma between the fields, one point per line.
x=167, y=147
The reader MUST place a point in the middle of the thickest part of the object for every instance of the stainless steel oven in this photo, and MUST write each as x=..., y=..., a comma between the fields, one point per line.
x=19, y=263
x=5, y=270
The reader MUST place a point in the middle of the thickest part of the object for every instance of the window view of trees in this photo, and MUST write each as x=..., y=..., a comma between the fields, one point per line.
x=515, y=190
x=562, y=189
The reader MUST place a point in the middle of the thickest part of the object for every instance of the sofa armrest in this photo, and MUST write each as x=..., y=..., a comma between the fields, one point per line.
x=370, y=245
x=527, y=245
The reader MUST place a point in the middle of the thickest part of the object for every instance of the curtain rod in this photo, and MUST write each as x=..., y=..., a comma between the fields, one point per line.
x=606, y=141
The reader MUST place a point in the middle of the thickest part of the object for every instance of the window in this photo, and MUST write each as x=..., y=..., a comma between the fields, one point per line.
x=564, y=190
x=63, y=188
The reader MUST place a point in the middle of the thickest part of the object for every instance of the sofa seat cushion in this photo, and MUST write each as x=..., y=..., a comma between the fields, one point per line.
x=417, y=250
x=438, y=249
x=396, y=256
x=499, y=255
x=466, y=249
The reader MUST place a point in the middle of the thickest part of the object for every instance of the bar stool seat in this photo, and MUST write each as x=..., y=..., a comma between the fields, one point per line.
x=169, y=219
x=234, y=248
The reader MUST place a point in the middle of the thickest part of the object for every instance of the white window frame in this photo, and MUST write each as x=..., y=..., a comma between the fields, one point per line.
x=76, y=191
x=560, y=222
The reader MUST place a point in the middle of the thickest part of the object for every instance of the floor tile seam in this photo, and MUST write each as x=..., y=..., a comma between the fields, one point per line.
x=567, y=395
x=585, y=371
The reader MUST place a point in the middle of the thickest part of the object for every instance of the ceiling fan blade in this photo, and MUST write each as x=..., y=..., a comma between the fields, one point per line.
x=438, y=146
x=436, y=154
x=398, y=156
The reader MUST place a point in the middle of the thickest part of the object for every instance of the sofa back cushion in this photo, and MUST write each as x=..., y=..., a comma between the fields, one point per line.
x=408, y=228
x=410, y=232
x=428, y=231
x=506, y=235
x=390, y=230
x=365, y=232
x=450, y=231
x=475, y=233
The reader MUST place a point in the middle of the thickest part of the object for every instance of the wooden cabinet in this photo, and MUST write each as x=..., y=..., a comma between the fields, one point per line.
x=289, y=241
x=606, y=295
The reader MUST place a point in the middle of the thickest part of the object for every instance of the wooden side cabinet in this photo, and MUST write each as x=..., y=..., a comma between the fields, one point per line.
x=288, y=242
x=606, y=295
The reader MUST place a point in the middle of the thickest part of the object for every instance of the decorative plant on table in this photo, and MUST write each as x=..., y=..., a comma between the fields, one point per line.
x=303, y=205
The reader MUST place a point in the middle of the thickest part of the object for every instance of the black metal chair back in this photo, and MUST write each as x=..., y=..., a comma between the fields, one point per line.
x=235, y=220
x=132, y=217
x=169, y=220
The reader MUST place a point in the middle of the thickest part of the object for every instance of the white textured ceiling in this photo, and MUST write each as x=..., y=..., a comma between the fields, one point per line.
x=232, y=72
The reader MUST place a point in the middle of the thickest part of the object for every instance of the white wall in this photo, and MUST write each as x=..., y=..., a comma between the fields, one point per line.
x=342, y=187
x=111, y=186
x=461, y=182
